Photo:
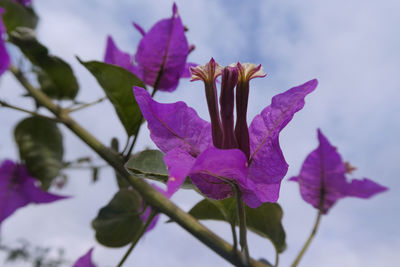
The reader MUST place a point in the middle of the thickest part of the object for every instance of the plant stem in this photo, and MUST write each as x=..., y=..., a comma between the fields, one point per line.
x=235, y=242
x=305, y=246
x=138, y=236
x=242, y=224
x=276, y=258
x=149, y=194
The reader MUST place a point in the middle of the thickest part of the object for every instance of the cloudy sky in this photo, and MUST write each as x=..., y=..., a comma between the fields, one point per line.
x=350, y=46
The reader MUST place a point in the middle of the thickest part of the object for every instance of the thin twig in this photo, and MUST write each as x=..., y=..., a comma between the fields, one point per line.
x=313, y=232
x=234, y=236
x=242, y=224
x=276, y=258
x=33, y=113
x=138, y=236
x=70, y=110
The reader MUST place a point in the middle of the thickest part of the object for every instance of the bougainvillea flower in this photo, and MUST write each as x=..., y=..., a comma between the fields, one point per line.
x=18, y=189
x=323, y=181
x=85, y=260
x=160, y=59
x=4, y=57
x=216, y=155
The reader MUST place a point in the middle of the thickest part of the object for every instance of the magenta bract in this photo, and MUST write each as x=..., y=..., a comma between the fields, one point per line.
x=18, y=189
x=85, y=260
x=160, y=59
x=323, y=181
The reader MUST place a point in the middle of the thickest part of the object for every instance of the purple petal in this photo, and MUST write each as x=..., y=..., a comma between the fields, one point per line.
x=214, y=167
x=174, y=125
x=17, y=189
x=144, y=218
x=4, y=57
x=267, y=164
x=179, y=163
x=163, y=50
x=364, y=188
x=322, y=176
x=115, y=56
x=265, y=192
x=85, y=260
x=186, y=72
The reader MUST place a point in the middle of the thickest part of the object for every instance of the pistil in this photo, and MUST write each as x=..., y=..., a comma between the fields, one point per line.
x=229, y=80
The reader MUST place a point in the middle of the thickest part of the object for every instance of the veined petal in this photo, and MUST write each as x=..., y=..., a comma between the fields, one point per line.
x=214, y=168
x=162, y=53
x=115, y=56
x=85, y=260
x=364, y=188
x=322, y=178
x=186, y=72
x=179, y=163
x=261, y=193
x=267, y=164
x=4, y=57
x=174, y=125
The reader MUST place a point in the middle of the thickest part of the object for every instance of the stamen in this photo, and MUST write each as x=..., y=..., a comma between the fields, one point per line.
x=247, y=72
x=208, y=74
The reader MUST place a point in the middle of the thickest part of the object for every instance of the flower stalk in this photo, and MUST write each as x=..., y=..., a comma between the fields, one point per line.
x=309, y=239
x=242, y=225
x=142, y=230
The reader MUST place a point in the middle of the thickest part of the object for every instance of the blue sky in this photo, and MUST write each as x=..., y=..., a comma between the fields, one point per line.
x=350, y=46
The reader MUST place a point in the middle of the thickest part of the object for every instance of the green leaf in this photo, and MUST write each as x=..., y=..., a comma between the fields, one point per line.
x=17, y=15
x=264, y=220
x=40, y=146
x=55, y=76
x=150, y=164
x=118, y=84
x=117, y=224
